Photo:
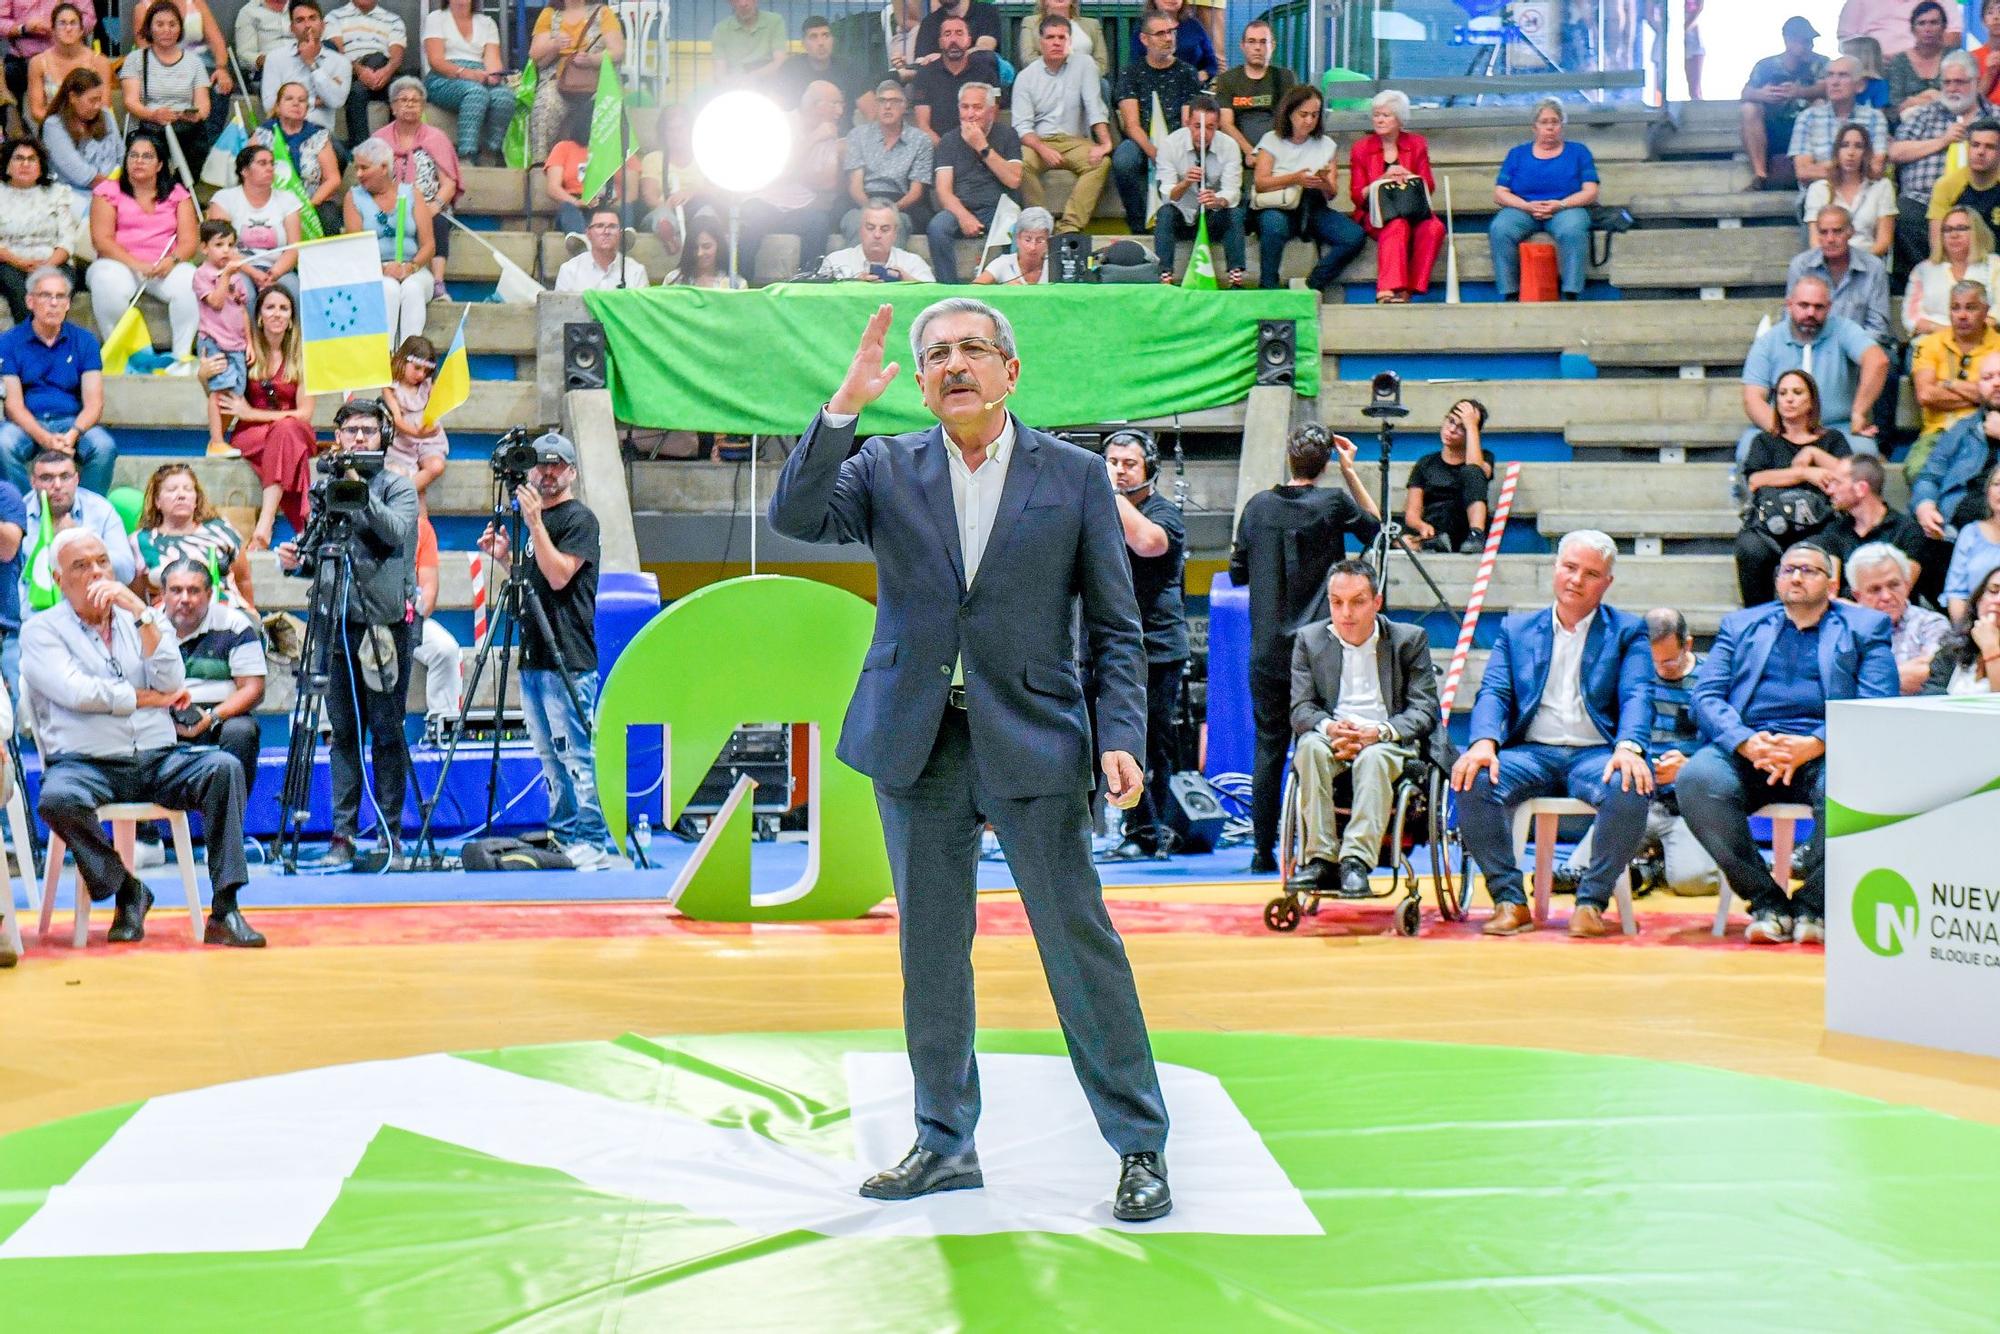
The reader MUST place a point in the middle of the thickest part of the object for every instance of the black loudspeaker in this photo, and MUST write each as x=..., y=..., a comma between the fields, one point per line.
x=1277, y=351
x=1072, y=258
x=1194, y=812
x=584, y=362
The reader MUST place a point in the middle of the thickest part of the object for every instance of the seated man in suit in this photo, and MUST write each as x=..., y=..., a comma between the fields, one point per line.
x=1364, y=697
x=1761, y=699
x=1565, y=709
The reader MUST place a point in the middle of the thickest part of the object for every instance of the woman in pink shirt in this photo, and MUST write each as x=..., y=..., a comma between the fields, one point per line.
x=145, y=237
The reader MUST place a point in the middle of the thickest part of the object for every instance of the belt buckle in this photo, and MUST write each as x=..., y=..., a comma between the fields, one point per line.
x=955, y=697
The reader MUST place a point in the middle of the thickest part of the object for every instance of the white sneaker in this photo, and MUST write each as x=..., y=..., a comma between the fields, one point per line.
x=1768, y=928
x=584, y=857
x=146, y=855
x=1809, y=931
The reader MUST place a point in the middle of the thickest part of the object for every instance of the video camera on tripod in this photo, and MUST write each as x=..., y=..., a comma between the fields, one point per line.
x=514, y=457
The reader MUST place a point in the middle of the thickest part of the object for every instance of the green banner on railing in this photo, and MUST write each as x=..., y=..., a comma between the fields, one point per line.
x=762, y=362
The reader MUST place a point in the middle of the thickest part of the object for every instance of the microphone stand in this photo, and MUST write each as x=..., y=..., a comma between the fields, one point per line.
x=1391, y=536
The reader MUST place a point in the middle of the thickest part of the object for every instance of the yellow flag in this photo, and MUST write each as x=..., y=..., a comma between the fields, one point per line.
x=454, y=378
x=128, y=336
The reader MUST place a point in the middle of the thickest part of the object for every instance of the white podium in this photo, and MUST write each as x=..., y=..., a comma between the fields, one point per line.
x=1913, y=871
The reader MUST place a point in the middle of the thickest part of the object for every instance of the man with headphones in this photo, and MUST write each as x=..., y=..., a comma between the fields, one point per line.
x=1156, y=545
x=370, y=664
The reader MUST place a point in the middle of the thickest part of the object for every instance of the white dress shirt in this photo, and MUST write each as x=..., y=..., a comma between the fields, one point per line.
x=581, y=273
x=852, y=263
x=326, y=83
x=86, y=700
x=1360, y=683
x=1561, y=720
x=1221, y=162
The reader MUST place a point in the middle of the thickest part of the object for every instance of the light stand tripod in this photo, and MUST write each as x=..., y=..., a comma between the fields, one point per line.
x=516, y=597
x=1385, y=406
x=326, y=605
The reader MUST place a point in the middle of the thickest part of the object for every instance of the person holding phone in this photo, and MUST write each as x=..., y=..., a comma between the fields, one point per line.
x=877, y=259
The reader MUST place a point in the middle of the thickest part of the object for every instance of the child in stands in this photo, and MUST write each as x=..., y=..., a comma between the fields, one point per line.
x=222, y=323
x=417, y=451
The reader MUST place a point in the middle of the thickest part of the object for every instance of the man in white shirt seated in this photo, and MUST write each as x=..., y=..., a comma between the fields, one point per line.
x=325, y=74
x=597, y=267
x=1028, y=262
x=1198, y=168
x=104, y=671
x=877, y=259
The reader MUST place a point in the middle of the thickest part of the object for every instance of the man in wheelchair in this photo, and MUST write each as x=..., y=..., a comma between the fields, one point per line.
x=1364, y=702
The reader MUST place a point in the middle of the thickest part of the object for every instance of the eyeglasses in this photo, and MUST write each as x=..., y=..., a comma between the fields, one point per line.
x=360, y=430
x=1956, y=227
x=48, y=296
x=1802, y=571
x=975, y=349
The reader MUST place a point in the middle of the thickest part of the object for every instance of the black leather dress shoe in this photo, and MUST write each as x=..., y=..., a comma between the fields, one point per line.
x=1354, y=880
x=923, y=1172
x=128, y=921
x=1263, y=863
x=1316, y=876
x=1142, y=1189
x=227, y=927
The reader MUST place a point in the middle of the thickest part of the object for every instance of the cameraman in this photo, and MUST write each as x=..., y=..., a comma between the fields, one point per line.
x=564, y=554
x=370, y=652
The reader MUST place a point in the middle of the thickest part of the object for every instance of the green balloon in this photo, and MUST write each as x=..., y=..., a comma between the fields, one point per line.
x=128, y=501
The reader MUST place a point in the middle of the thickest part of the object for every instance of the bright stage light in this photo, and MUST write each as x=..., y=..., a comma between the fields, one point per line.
x=742, y=141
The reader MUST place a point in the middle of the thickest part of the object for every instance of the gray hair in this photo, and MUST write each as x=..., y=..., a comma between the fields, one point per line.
x=51, y=271
x=1664, y=623
x=889, y=86
x=1590, y=540
x=1846, y=218
x=1963, y=287
x=1853, y=65
x=66, y=538
x=1963, y=61
x=1804, y=279
x=876, y=204
x=408, y=83
x=375, y=151
x=1034, y=220
x=1003, y=332
x=1394, y=102
x=1878, y=553
x=1551, y=104
x=974, y=86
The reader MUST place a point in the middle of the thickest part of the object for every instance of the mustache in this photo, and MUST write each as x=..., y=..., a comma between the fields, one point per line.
x=958, y=381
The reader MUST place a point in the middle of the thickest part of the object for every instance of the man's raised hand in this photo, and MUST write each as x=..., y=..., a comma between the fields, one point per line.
x=867, y=377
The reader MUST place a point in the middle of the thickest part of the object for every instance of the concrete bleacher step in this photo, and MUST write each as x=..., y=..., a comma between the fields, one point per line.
x=1548, y=405
x=1690, y=582
x=1483, y=135
x=1710, y=207
x=1663, y=333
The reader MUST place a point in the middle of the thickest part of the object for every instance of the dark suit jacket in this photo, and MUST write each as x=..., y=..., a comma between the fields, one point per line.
x=1617, y=677
x=1056, y=546
x=1408, y=681
x=1856, y=661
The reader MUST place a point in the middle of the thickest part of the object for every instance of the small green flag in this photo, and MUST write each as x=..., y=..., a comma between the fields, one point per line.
x=285, y=175
x=42, y=590
x=1200, y=275
x=607, y=140
x=515, y=146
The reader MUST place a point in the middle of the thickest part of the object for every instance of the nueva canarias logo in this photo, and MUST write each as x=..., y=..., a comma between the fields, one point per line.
x=1885, y=912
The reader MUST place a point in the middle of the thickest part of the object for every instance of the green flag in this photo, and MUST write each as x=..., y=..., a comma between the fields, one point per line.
x=285, y=175
x=607, y=138
x=1200, y=275
x=515, y=146
x=42, y=590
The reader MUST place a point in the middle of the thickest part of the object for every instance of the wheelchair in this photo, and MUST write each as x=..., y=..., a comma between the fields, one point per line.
x=1420, y=818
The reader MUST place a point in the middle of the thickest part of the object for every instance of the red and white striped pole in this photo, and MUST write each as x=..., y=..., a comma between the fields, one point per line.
x=1496, y=525
x=475, y=564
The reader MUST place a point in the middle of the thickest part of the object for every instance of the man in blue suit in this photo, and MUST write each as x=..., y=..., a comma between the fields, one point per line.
x=1564, y=709
x=988, y=537
x=1761, y=700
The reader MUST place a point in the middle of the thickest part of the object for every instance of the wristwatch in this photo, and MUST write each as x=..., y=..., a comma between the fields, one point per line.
x=1634, y=747
x=152, y=616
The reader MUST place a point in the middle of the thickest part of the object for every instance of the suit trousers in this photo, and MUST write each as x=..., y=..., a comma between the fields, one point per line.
x=1075, y=154
x=1532, y=770
x=932, y=830
x=1376, y=770
x=181, y=778
x=1271, y=716
x=1718, y=789
x=1146, y=823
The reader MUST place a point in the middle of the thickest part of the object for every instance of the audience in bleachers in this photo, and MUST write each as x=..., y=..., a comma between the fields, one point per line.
x=598, y=266
x=1161, y=79
x=1545, y=185
x=266, y=219
x=1963, y=253
x=1942, y=368
x=1814, y=132
x=1849, y=368
x=1444, y=505
x=1976, y=548
x=1761, y=698
x=1250, y=93
x=1916, y=72
x=705, y=259
x=322, y=72
x=1788, y=473
x=934, y=92
x=262, y=26
x=572, y=39
x=669, y=179
x=1967, y=662
x=1193, y=44
x=56, y=503
x=887, y=159
x=1059, y=114
x=562, y=182
x=464, y=74
x=1029, y=260
x=143, y=227
x=1407, y=241
x=1862, y=516
x=1946, y=495
x=976, y=165
x=166, y=86
x=1296, y=181
x=806, y=201
x=53, y=58
x=1866, y=196
x=54, y=383
x=1086, y=36
x=1973, y=185
x=748, y=43
x=1200, y=174
x=1857, y=281
x=223, y=297
x=877, y=258
x=426, y=159
x=1989, y=74
x=1883, y=579
x=414, y=449
x=273, y=431
x=1870, y=64
x=1777, y=92
x=982, y=19
x=1929, y=142
x=404, y=234
x=821, y=63
x=37, y=225
x=177, y=521
x=373, y=37
x=308, y=146
x=83, y=143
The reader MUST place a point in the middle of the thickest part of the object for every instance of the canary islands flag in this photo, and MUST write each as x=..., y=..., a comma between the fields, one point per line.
x=454, y=378
x=343, y=314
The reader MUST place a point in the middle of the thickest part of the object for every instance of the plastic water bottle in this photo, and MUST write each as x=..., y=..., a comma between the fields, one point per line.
x=643, y=836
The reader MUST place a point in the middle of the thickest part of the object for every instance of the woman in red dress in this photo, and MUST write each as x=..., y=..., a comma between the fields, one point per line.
x=1404, y=252
x=274, y=431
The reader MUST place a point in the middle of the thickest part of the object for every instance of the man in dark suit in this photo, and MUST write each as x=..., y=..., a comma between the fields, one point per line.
x=1287, y=538
x=1364, y=697
x=988, y=536
x=1564, y=709
x=1761, y=699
